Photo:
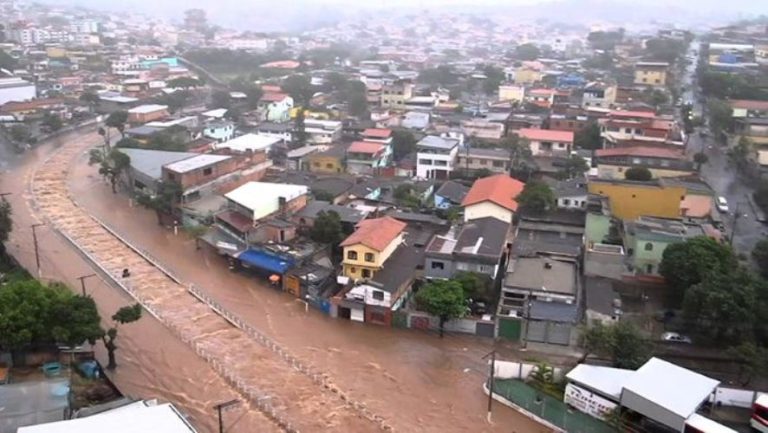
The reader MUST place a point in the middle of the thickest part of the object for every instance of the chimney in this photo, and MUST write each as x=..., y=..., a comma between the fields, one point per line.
x=547, y=264
x=281, y=204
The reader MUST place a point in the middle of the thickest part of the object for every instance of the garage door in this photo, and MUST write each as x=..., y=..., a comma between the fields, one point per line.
x=357, y=315
x=510, y=328
x=537, y=331
x=559, y=333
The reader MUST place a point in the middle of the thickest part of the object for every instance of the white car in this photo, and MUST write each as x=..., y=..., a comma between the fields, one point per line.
x=722, y=204
x=674, y=337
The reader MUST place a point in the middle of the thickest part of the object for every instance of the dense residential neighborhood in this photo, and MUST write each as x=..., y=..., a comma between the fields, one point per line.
x=379, y=224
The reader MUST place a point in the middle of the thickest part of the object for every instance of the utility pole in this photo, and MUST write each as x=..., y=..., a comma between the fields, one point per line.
x=37, y=251
x=82, y=281
x=527, y=320
x=736, y=217
x=223, y=406
x=491, y=380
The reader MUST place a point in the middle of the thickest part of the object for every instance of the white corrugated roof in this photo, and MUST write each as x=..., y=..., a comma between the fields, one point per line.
x=607, y=381
x=251, y=142
x=148, y=108
x=675, y=388
x=262, y=198
x=199, y=161
x=133, y=419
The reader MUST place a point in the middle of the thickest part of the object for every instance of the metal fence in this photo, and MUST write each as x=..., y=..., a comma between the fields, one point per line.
x=548, y=408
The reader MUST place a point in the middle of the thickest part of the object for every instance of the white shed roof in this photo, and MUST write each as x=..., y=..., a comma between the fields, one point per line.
x=133, y=419
x=216, y=113
x=262, y=198
x=607, y=381
x=195, y=162
x=675, y=388
x=251, y=142
x=148, y=108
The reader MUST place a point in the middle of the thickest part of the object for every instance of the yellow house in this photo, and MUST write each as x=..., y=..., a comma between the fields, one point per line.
x=651, y=73
x=526, y=75
x=330, y=161
x=372, y=243
x=511, y=93
x=630, y=199
x=55, y=52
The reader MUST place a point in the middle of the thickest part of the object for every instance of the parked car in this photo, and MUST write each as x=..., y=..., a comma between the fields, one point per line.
x=674, y=337
x=722, y=204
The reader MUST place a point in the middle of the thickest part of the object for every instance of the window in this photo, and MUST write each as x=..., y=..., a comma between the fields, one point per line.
x=386, y=101
x=352, y=255
x=438, y=265
x=207, y=171
x=377, y=295
x=498, y=163
x=462, y=266
x=657, y=81
x=566, y=202
x=329, y=165
x=317, y=164
x=369, y=257
x=483, y=162
x=171, y=176
x=469, y=161
x=425, y=162
x=649, y=269
x=648, y=246
x=366, y=273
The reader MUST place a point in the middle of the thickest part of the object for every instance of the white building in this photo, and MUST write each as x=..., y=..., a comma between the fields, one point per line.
x=249, y=143
x=369, y=295
x=16, y=89
x=260, y=199
x=84, y=26
x=322, y=131
x=436, y=157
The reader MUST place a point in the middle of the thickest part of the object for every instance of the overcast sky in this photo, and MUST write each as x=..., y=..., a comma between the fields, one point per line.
x=262, y=15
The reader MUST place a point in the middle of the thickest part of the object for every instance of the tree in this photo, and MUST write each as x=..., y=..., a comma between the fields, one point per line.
x=355, y=95
x=588, y=137
x=720, y=116
x=20, y=133
x=440, y=76
x=403, y=143
x=6, y=224
x=327, y=229
x=654, y=97
x=536, y=197
x=24, y=314
x=742, y=153
x=91, y=98
x=622, y=343
x=117, y=120
x=493, y=78
x=76, y=320
x=720, y=307
x=475, y=285
x=605, y=40
x=183, y=83
x=300, y=89
x=220, y=99
x=700, y=158
x=122, y=316
x=752, y=360
x=687, y=263
x=761, y=195
x=112, y=164
x=641, y=174
x=128, y=142
x=444, y=299
x=520, y=156
x=164, y=201
x=299, y=131
x=574, y=166
x=51, y=122
x=527, y=52
x=252, y=96
x=6, y=61
x=759, y=254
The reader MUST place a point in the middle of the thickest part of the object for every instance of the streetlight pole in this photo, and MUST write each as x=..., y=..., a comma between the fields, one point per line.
x=223, y=406
x=37, y=251
x=491, y=380
x=82, y=281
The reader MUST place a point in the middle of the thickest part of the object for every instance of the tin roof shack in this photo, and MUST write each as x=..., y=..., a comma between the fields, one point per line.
x=146, y=170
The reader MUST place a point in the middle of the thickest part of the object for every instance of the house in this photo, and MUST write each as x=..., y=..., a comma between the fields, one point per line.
x=255, y=201
x=197, y=175
x=651, y=73
x=331, y=160
x=475, y=246
x=544, y=292
x=512, y=94
x=629, y=128
x=367, y=157
x=557, y=233
x=541, y=97
x=435, y=157
x=147, y=113
x=14, y=89
x=275, y=107
x=395, y=95
x=415, y=120
x=527, y=75
x=219, y=130
x=483, y=129
x=661, y=162
x=450, y=194
x=284, y=131
x=568, y=122
x=597, y=94
x=571, y=193
x=146, y=170
x=492, y=196
x=249, y=143
x=472, y=160
x=632, y=199
x=370, y=245
x=747, y=108
x=298, y=159
x=548, y=143
x=378, y=135
x=322, y=131
x=349, y=217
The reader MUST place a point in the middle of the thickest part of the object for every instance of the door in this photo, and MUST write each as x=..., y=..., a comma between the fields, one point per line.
x=537, y=331
x=510, y=328
x=559, y=333
x=345, y=313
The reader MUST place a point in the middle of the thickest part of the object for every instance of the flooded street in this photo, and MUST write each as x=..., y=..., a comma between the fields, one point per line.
x=357, y=377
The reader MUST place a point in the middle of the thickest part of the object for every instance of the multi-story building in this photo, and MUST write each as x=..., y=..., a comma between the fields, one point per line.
x=599, y=95
x=632, y=199
x=547, y=142
x=367, y=157
x=613, y=163
x=396, y=95
x=651, y=73
x=436, y=157
x=746, y=108
x=367, y=249
x=646, y=238
x=16, y=90
x=476, y=246
x=275, y=107
x=472, y=159
x=511, y=93
x=483, y=129
x=322, y=131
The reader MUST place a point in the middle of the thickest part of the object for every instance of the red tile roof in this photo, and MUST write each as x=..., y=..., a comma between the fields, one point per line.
x=273, y=96
x=377, y=132
x=647, y=151
x=546, y=135
x=375, y=233
x=271, y=88
x=366, y=147
x=500, y=189
x=749, y=104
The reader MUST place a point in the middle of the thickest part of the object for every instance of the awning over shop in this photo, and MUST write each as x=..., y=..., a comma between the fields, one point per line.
x=224, y=242
x=266, y=261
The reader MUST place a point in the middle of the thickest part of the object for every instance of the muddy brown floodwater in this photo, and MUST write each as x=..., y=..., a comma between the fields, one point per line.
x=371, y=377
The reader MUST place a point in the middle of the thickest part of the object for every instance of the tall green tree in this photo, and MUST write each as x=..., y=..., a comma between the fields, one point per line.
x=622, y=343
x=220, y=99
x=117, y=120
x=327, y=229
x=720, y=116
x=520, y=156
x=183, y=83
x=752, y=359
x=759, y=254
x=403, y=143
x=300, y=89
x=76, y=320
x=687, y=263
x=112, y=164
x=536, y=197
x=588, y=137
x=444, y=299
x=299, y=130
x=51, y=121
x=123, y=316
x=20, y=133
x=164, y=201
x=700, y=158
x=91, y=98
x=720, y=306
x=527, y=52
x=641, y=174
x=6, y=224
x=574, y=166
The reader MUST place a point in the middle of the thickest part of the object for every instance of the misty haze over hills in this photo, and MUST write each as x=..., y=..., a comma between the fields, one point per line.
x=298, y=15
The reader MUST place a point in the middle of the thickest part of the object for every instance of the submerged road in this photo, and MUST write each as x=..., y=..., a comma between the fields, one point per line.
x=406, y=379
